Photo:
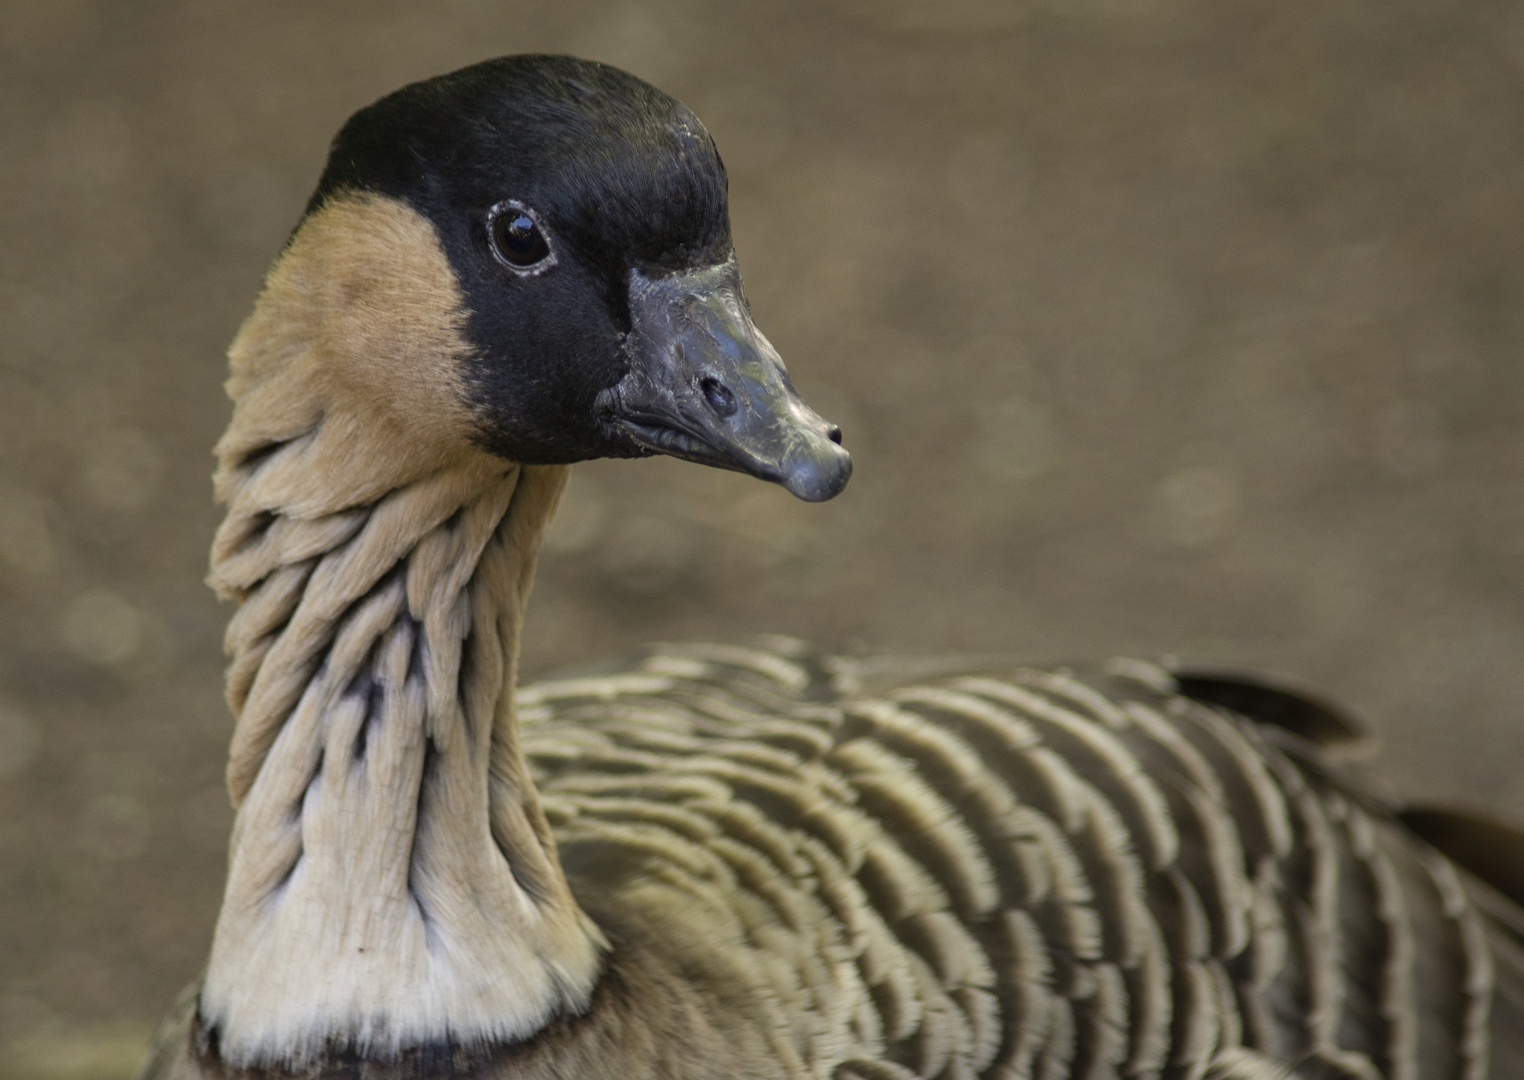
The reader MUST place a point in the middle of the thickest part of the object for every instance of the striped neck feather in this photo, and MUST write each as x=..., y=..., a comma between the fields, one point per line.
x=392, y=882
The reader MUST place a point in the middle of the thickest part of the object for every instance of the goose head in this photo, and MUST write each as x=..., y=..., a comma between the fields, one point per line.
x=594, y=302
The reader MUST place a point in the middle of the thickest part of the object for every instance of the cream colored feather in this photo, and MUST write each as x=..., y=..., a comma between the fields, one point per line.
x=391, y=877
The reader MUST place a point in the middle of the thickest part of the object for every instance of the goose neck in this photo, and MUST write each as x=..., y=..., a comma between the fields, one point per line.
x=392, y=882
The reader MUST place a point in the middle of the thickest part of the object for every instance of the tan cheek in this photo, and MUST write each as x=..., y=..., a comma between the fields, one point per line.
x=394, y=332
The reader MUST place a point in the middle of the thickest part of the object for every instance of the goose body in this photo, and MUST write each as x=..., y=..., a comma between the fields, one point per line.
x=713, y=861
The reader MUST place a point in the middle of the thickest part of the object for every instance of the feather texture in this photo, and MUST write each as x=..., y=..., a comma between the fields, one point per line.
x=1013, y=874
x=1022, y=873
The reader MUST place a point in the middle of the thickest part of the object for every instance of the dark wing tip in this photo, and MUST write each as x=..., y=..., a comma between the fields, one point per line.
x=1490, y=849
x=1267, y=702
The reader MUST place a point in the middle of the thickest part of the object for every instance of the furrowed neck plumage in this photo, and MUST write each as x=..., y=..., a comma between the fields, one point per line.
x=392, y=882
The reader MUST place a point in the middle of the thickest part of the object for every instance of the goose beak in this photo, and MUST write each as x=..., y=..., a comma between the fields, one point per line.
x=705, y=385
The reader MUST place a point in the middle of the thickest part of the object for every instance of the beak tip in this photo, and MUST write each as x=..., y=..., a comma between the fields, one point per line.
x=816, y=471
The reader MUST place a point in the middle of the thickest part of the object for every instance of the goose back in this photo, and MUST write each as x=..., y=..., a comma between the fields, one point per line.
x=1010, y=872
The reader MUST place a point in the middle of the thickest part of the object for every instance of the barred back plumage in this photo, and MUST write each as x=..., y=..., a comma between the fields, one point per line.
x=1014, y=873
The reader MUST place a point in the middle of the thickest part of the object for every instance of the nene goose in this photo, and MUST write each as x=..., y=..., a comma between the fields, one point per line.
x=713, y=861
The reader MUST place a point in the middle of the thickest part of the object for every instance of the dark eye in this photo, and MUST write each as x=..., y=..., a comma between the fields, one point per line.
x=517, y=239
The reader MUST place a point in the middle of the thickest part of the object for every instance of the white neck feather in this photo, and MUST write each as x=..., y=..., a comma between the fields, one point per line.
x=392, y=882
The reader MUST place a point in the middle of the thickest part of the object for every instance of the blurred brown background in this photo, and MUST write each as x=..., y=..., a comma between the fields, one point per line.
x=1157, y=326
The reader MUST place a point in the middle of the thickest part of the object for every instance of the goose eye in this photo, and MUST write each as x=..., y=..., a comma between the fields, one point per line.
x=517, y=238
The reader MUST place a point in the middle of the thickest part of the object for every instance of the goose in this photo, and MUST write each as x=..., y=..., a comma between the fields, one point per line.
x=719, y=860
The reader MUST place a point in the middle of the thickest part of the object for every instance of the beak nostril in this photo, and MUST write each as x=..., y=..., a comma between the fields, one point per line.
x=718, y=395
x=834, y=434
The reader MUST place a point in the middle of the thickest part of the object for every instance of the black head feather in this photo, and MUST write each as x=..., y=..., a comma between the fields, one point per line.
x=621, y=176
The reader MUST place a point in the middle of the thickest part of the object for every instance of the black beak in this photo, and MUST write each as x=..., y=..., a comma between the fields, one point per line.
x=705, y=385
